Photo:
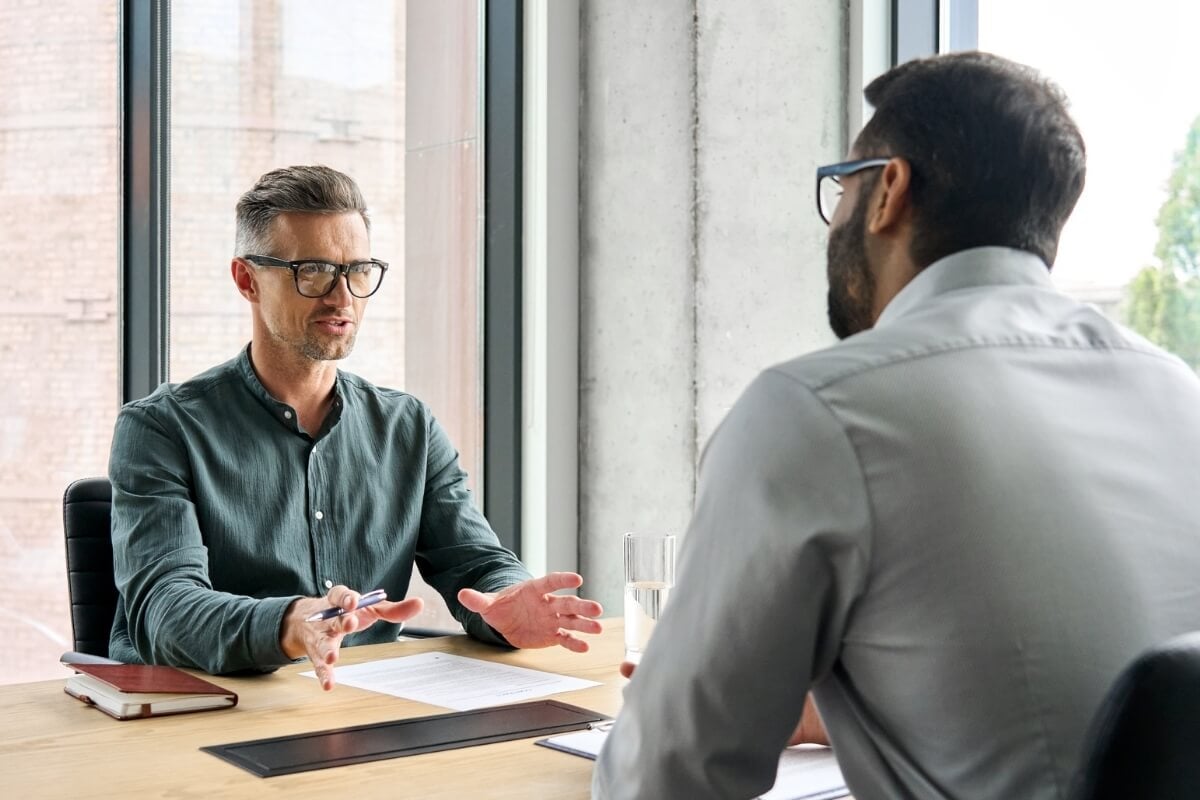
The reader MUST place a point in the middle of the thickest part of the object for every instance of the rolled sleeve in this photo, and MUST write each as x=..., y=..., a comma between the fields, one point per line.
x=457, y=547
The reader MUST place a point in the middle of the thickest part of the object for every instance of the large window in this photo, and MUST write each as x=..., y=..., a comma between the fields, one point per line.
x=1133, y=244
x=59, y=332
x=385, y=90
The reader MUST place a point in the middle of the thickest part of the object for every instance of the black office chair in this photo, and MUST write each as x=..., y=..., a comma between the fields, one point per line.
x=1145, y=739
x=87, y=507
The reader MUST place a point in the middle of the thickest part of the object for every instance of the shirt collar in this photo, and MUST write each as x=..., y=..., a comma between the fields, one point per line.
x=979, y=266
x=285, y=414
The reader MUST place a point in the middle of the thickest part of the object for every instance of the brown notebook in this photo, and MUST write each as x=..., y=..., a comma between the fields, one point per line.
x=131, y=691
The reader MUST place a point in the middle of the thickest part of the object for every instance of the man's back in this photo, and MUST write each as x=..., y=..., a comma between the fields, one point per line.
x=969, y=519
x=1033, y=478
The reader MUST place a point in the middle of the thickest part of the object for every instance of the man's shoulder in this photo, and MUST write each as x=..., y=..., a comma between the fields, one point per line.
x=820, y=369
x=363, y=392
x=194, y=390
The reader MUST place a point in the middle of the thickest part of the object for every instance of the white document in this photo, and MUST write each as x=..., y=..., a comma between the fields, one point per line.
x=806, y=772
x=810, y=772
x=456, y=682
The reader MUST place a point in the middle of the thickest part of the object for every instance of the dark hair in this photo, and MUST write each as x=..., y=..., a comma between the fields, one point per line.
x=996, y=159
x=310, y=190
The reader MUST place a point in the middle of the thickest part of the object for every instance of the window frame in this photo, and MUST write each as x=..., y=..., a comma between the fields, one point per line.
x=925, y=27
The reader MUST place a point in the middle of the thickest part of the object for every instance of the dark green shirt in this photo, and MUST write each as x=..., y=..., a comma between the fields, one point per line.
x=225, y=511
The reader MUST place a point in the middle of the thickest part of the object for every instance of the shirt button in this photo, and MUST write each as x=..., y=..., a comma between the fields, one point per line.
x=320, y=515
x=287, y=415
x=328, y=584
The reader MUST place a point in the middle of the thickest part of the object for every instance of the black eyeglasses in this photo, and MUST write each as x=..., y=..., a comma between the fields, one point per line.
x=829, y=182
x=317, y=278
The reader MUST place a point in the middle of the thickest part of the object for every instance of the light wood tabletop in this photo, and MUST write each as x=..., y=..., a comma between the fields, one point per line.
x=52, y=745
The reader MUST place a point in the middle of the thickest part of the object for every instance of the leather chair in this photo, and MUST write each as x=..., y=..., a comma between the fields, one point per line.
x=87, y=506
x=1145, y=739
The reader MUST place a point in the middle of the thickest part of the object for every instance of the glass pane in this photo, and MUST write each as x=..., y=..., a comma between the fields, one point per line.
x=1133, y=243
x=387, y=92
x=59, y=204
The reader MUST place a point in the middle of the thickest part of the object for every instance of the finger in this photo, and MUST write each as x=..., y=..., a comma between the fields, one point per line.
x=325, y=649
x=393, y=612
x=323, y=667
x=553, y=581
x=581, y=624
x=324, y=676
x=566, y=604
x=349, y=623
x=475, y=601
x=342, y=597
x=574, y=644
x=627, y=668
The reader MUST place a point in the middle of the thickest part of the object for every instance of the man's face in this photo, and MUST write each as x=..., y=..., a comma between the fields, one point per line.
x=317, y=328
x=851, y=283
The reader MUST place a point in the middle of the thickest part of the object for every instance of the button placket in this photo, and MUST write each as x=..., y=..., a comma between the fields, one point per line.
x=324, y=557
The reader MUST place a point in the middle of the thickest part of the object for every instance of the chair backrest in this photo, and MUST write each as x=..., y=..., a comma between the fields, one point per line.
x=87, y=507
x=1145, y=739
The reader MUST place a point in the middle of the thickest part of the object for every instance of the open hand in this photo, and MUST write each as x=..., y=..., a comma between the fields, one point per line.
x=528, y=615
x=322, y=640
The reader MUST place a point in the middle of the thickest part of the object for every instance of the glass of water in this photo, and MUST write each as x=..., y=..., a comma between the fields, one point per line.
x=649, y=576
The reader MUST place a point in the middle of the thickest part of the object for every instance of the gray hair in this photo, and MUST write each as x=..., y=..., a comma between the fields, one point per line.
x=306, y=189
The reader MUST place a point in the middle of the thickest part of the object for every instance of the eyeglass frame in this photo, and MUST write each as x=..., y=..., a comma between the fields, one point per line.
x=343, y=270
x=841, y=170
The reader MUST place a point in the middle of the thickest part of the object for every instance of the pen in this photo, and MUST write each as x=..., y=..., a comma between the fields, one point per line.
x=368, y=599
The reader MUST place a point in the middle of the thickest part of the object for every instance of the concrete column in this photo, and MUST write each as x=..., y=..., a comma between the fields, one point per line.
x=770, y=109
x=702, y=257
x=637, y=278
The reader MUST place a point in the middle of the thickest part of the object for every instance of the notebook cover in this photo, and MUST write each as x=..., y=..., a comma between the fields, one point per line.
x=284, y=755
x=117, y=708
x=154, y=679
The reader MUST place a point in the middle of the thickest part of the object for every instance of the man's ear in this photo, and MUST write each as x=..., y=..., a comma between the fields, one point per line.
x=245, y=279
x=892, y=202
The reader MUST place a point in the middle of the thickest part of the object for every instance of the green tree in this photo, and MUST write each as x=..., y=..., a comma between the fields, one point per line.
x=1179, y=218
x=1163, y=302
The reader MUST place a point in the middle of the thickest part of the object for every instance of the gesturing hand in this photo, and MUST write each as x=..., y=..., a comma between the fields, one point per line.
x=528, y=615
x=321, y=640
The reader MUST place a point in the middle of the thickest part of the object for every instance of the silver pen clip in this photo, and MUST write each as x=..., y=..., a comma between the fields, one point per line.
x=606, y=725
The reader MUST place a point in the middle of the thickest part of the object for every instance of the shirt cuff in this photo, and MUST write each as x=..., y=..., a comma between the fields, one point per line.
x=266, y=628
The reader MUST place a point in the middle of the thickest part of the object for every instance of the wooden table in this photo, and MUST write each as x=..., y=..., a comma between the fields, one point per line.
x=51, y=745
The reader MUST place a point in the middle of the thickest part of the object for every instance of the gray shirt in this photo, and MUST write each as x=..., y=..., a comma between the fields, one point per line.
x=956, y=528
x=225, y=511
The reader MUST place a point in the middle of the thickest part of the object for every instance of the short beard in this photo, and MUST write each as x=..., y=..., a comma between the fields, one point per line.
x=316, y=350
x=851, y=285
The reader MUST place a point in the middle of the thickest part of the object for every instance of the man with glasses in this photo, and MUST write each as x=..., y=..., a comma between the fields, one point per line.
x=253, y=498
x=954, y=527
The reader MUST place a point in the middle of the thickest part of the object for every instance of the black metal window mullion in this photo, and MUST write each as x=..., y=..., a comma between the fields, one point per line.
x=145, y=195
x=502, y=263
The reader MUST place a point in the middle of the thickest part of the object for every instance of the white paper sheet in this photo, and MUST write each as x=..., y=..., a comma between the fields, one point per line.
x=806, y=772
x=809, y=772
x=455, y=682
